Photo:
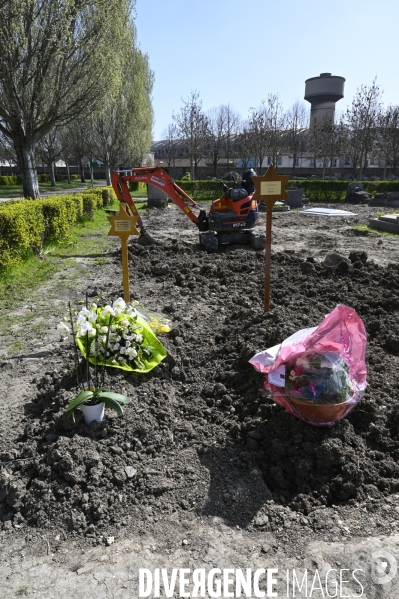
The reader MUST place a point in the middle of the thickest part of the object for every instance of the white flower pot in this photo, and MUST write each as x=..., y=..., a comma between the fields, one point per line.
x=91, y=413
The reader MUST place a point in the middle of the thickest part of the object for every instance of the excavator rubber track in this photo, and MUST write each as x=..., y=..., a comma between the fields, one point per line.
x=209, y=242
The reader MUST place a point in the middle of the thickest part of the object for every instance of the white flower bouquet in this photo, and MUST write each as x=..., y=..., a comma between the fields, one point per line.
x=116, y=336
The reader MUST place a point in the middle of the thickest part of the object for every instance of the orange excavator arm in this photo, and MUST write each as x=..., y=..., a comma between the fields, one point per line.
x=156, y=176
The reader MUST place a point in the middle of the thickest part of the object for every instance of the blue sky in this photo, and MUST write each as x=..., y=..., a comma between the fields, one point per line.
x=235, y=52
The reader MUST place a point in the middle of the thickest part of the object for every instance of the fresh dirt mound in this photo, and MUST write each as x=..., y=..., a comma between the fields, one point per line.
x=201, y=434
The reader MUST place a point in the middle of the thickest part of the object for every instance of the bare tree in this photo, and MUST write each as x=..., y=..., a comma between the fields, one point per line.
x=216, y=136
x=77, y=137
x=258, y=128
x=387, y=137
x=232, y=122
x=297, y=120
x=326, y=142
x=49, y=150
x=192, y=125
x=66, y=150
x=267, y=125
x=57, y=61
x=361, y=120
x=277, y=139
x=171, y=146
x=243, y=144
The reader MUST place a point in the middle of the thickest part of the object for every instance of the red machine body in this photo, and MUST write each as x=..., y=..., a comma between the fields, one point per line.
x=227, y=216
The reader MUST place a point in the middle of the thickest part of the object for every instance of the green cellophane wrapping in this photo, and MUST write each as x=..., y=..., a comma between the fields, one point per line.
x=150, y=340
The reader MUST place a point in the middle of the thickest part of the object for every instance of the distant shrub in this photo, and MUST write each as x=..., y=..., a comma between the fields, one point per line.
x=138, y=186
x=201, y=190
x=330, y=190
x=25, y=225
x=10, y=180
x=380, y=186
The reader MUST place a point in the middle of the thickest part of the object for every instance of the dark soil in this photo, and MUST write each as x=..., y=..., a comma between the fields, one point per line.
x=201, y=436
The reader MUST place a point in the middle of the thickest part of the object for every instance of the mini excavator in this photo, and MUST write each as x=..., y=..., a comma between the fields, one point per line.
x=231, y=218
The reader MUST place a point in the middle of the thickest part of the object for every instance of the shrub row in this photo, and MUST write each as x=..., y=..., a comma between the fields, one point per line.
x=45, y=178
x=10, y=180
x=380, y=186
x=26, y=225
x=335, y=191
x=202, y=190
x=323, y=190
x=320, y=191
x=41, y=177
x=138, y=186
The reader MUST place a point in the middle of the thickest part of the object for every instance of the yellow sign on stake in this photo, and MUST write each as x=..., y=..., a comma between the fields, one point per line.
x=269, y=189
x=122, y=226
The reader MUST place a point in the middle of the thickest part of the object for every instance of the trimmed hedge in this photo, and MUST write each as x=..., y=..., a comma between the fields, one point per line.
x=380, y=186
x=138, y=186
x=202, y=190
x=321, y=190
x=26, y=225
x=10, y=180
x=335, y=190
x=317, y=190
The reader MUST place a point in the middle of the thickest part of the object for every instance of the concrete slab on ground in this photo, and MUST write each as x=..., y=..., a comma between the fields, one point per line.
x=327, y=212
x=389, y=223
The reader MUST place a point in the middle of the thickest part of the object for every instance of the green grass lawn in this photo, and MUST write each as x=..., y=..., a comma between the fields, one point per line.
x=24, y=311
x=86, y=238
x=365, y=230
x=15, y=191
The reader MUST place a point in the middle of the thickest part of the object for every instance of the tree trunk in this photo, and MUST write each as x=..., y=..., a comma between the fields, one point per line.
x=27, y=168
x=361, y=165
x=82, y=171
x=107, y=173
x=68, y=173
x=192, y=168
x=52, y=174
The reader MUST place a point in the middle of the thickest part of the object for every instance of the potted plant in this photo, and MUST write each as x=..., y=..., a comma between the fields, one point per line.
x=93, y=402
x=96, y=338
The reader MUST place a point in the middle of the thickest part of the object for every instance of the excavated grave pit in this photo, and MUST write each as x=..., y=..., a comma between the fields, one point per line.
x=201, y=436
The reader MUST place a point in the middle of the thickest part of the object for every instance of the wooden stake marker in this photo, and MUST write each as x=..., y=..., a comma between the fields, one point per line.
x=123, y=225
x=269, y=189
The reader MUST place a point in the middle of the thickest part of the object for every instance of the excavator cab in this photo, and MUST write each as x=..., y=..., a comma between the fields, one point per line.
x=230, y=219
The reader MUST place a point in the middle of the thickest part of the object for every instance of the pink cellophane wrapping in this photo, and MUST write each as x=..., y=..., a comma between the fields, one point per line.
x=341, y=331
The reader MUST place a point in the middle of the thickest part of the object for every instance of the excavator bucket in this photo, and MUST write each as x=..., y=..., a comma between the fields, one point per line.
x=146, y=239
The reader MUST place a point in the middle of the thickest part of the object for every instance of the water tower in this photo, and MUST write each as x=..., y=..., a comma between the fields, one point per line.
x=322, y=93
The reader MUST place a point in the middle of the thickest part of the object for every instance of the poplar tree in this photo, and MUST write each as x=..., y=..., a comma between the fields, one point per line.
x=58, y=59
x=122, y=129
